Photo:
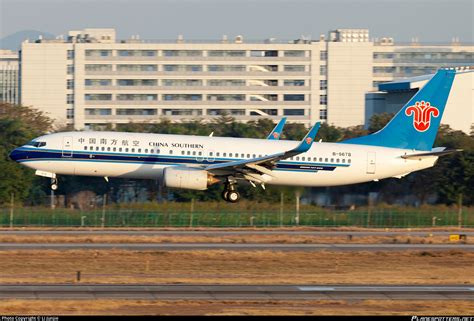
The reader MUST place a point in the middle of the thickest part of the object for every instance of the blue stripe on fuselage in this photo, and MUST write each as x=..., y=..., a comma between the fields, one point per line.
x=31, y=155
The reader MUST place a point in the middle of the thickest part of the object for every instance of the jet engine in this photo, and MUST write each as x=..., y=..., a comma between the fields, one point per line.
x=181, y=177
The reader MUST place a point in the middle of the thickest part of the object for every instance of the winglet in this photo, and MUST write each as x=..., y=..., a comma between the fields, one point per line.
x=276, y=132
x=308, y=140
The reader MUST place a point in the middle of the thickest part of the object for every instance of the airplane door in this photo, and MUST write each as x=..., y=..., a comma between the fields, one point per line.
x=371, y=162
x=67, y=146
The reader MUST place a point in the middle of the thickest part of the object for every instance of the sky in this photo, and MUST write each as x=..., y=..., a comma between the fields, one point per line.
x=428, y=20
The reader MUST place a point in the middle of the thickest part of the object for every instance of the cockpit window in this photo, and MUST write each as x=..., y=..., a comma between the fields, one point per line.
x=36, y=144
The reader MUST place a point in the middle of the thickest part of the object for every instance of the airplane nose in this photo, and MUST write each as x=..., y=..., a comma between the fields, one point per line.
x=15, y=154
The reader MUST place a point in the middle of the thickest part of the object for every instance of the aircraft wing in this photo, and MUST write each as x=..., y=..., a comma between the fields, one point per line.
x=441, y=151
x=265, y=164
x=276, y=132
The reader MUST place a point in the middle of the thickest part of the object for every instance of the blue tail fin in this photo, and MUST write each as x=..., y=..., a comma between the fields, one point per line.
x=416, y=124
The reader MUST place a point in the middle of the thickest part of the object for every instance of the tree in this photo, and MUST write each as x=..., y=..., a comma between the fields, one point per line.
x=18, y=125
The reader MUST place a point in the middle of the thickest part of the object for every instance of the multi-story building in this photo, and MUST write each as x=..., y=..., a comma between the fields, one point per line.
x=92, y=79
x=9, y=82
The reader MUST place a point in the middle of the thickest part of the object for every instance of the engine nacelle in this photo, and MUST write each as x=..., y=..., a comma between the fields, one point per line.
x=188, y=178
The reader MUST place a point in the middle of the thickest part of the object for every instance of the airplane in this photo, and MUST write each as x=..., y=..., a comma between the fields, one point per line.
x=403, y=146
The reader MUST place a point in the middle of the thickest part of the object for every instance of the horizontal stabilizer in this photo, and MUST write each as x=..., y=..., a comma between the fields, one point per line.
x=431, y=154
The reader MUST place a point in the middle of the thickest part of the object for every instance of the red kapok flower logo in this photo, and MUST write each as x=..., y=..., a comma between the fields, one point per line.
x=422, y=112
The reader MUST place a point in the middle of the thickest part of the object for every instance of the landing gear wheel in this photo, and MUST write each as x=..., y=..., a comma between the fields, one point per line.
x=224, y=195
x=233, y=196
x=54, y=184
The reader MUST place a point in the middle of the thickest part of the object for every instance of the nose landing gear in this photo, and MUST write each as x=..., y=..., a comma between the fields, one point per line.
x=230, y=193
x=54, y=184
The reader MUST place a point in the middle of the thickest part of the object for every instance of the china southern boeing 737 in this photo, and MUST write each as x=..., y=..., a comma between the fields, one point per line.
x=403, y=146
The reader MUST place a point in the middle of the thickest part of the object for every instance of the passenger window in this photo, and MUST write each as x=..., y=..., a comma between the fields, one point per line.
x=103, y=148
x=320, y=159
x=97, y=148
x=200, y=153
x=108, y=149
x=230, y=154
x=85, y=147
x=146, y=150
x=139, y=150
x=253, y=155
x=242, y=155
x=120, y=149
x=217, y=154
x=332, y=160
x=303, y=158
x=188, y=152
x=337, y=160
x=297, y=158
x=211, y=153
x=248, y=155
x=171, y=151
x=224, y=154
x=343, y=160
x=194, y=153
x=115, y=149
x=133, y=150
x=182, y=152
x=349, y=160
x=326, y=160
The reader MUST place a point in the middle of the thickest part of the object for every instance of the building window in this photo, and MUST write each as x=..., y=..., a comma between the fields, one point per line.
x=70, y=54
x=323, y=99
x=98, y=82
x=226, y=68
x=98, y=111
x=100, y=67
x=137, y=97
x=323, y=84
x=263, y=53
x=181, y=82
x=293, y=97
x=136, y=112
x=70, y=83
x=70, y=69
x=323, y=114
x=232, y=112
x=182, y=68
x=294, y=53
x=182, y=97
x=294, y=68
x=182, y=53
x=226, y=53
x=137, y=82
x=323, y=70
x=295, y=82
x=98, y=97
x=323, y=55
x=70, y=99
x=293, y=112
x=226, y=97
x=69, y=113
x=131, y=68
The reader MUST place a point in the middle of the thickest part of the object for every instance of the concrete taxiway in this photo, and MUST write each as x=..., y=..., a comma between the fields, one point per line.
x=237, y=292
x=234, y=246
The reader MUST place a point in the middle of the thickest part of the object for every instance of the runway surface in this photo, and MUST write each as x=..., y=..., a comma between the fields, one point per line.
x=231, y=233
x=238, y=292
x=233, y=246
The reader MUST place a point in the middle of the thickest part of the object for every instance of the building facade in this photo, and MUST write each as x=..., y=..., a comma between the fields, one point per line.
x=9, y=77
x=92, y=79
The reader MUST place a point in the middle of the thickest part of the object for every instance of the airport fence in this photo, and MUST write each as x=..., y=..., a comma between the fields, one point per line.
x=375, y=218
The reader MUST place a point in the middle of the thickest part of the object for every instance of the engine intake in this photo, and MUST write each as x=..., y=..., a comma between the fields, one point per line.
x=179, y=177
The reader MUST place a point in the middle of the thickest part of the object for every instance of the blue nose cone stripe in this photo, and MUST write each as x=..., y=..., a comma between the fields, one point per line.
x=16, y=155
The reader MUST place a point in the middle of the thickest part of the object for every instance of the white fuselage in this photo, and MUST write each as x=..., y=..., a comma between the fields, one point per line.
x=137, y=155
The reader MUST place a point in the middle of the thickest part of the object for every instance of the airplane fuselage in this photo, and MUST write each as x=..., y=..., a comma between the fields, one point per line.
x=145, y=156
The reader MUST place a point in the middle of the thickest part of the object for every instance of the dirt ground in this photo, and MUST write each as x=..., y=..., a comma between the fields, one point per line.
x=237, y=267
x=134, y=307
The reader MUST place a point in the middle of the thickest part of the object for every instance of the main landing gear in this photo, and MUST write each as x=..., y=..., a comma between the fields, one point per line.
x=54, y=183
x=230, y=194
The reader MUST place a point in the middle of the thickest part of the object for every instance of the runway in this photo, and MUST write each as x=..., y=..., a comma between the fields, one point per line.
x=238, y=292
x=233, y=246
x=230, y=233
